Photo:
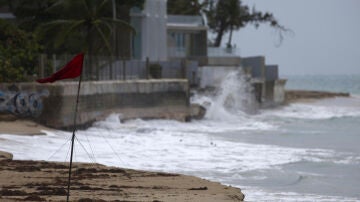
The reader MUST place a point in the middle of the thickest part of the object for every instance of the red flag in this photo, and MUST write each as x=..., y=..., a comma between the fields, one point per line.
x=72, y=69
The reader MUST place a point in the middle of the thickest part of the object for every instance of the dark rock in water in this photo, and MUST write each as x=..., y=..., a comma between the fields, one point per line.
x=197, y=111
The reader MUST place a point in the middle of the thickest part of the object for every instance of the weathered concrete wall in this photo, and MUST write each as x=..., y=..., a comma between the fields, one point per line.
x=269, y=91
x=271, y=72
x=279, y=91
x=256, y=64
x=224, y=61
x=166, y=98
x=211, y=76
x=216, y=61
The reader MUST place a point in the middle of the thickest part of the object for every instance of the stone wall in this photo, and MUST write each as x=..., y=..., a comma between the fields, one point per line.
x=165, y=98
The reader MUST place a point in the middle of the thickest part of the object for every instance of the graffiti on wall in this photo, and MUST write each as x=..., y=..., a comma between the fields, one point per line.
x=23, y=104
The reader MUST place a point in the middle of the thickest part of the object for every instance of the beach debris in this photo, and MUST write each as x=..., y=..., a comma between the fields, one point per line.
x=199, y=188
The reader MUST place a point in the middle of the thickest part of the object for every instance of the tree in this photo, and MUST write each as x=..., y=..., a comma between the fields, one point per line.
x=29, y=14
x=185, y=7
x=230, y=15
x=224, y=16
x=88, y=23
x=65, y=26
x=19, y=53
x=87, y=20
x=32, y=14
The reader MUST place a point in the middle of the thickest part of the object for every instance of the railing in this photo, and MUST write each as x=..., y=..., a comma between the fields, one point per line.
x=176, y=52
x=223, y=52
x=106, y=68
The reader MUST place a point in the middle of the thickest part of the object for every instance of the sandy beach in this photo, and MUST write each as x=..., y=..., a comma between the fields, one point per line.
x=47, y=181
x=22, y=127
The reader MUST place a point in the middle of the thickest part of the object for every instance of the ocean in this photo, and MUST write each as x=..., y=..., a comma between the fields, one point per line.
x=305, y=151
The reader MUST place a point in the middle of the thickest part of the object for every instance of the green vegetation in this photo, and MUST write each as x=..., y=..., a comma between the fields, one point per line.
x=87, y=24
x=67, y=26
x=64, y=27
x=186, y=7
x=99, y=27
x=19, y=53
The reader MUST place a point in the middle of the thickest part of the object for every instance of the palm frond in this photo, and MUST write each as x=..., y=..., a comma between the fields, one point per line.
x=101, y=6
x=68, y=29
x=87, y=8
x=46, y=27
x=107, y=44
x=57, y=4
x=121, y=23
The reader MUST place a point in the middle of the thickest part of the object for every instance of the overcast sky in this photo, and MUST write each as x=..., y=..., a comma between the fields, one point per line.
x=326, y=36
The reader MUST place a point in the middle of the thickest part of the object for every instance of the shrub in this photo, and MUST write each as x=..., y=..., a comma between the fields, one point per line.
x=19, y=52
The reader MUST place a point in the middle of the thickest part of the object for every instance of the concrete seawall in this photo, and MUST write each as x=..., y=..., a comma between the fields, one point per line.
x=165, y=98
x=296, y=95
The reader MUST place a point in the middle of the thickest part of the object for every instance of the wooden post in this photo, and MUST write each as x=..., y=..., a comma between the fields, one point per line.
x=183, y=68
x=54, y=63
x=111, y=67
x=147, y=68
x=124, y=68
x=97, y=76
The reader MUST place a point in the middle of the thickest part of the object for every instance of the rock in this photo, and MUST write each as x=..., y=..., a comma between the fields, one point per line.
x=5, y=156
x=197, y=111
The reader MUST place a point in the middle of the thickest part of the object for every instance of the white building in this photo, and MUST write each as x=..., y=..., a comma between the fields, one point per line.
x=150, y=25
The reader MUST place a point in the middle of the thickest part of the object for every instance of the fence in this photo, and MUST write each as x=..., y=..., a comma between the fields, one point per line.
x=106, y=68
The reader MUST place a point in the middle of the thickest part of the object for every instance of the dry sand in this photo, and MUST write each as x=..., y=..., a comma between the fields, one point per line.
x=47, y=181
x=22, y=127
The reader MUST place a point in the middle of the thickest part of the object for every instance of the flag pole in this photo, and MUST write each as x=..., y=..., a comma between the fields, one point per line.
x=72, y=69
x=73, y=138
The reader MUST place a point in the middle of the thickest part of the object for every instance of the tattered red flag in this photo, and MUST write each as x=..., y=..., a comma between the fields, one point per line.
x=72, y=69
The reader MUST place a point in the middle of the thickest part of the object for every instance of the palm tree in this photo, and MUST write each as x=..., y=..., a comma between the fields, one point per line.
x=85, y=22
x=234, y=11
